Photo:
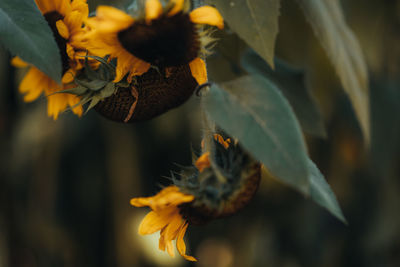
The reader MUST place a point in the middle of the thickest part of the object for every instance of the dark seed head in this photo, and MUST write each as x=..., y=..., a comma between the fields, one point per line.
x=157, y=93
x=167, y=41
x=51, y=18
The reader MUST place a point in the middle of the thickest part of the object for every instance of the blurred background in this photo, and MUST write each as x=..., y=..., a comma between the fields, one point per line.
x=65, y=185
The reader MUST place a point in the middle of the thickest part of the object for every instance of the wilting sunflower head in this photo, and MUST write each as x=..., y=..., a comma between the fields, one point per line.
x=65, y=19
x=145, y=97
x=219, y=184
x=222, y=181
x=166, y=36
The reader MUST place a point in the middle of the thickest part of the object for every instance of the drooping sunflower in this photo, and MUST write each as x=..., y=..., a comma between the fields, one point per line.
x=65, y=18
x=165, y=37
x=218, y=185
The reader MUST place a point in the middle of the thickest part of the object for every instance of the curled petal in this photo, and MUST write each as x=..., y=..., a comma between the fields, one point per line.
x=198, y=69
x=62, y=29
x=140, y=201
x=18, y=62
x=153, y=10
x=180, y=243
x=207, y=15
x=69, y=76
x=155, y=221
x=178, y=6
x=203, y=162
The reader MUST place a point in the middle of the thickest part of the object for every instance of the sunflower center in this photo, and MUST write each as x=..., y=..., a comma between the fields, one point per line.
x=167, y=41
x=51, y=18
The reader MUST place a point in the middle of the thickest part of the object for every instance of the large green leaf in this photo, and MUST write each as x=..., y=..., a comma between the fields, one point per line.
x=255, y=21
x=343, y=49
x=322, y=193
x=253, y=110
x=25, y=32
x=291, y=81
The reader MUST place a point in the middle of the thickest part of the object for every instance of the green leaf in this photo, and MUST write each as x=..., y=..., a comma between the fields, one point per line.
x=93, y=102
x=253, y=110
x=25, y=32
x=255, y=21
x=327, y=19
x=108, y=90
x=291, y=81
x=322, y=193
x=94, y=85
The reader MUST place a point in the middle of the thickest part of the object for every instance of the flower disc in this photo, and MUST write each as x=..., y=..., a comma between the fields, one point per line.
x=167, y=41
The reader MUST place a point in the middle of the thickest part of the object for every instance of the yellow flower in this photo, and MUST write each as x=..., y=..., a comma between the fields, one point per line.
x=65, y=19
x=166, y=218
x=163, y=38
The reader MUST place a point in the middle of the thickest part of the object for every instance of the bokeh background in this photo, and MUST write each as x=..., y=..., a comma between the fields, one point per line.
x=65, y=185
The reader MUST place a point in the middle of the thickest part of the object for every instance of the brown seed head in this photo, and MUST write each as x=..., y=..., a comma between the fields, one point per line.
x=155, y=93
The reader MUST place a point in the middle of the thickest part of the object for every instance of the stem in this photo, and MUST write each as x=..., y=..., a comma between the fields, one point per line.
x=209, y=144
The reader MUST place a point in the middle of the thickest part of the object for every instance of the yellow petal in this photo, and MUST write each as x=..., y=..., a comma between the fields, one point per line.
x=56, y=104
x=207, y=15
x=203, y=162
x=171, y=232
x=73, y=100
x=18, y=62
x=198, y=69
x=70, y=51
x=139, y=67
x=220, y=139
x=155, y=221
x=175, y=223
x=68, y=77
x=161, y=241
x=189, y=258
x=74, y=21
x=112, y=13
x=123, y=67
x=169, y=198
x=33, y=84
x=178, y=6
x=63, y=7
x=81, y=6
x=170, y=248
x=153, y=10
x=44, y=5
x=101, y=26
x=140, y=201
x=62, y=29
x=180, y=243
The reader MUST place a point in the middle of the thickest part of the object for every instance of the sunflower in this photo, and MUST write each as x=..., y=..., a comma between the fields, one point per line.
x=218, y=184
x=166, y=218
x=164, y=38
x=65, y=19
